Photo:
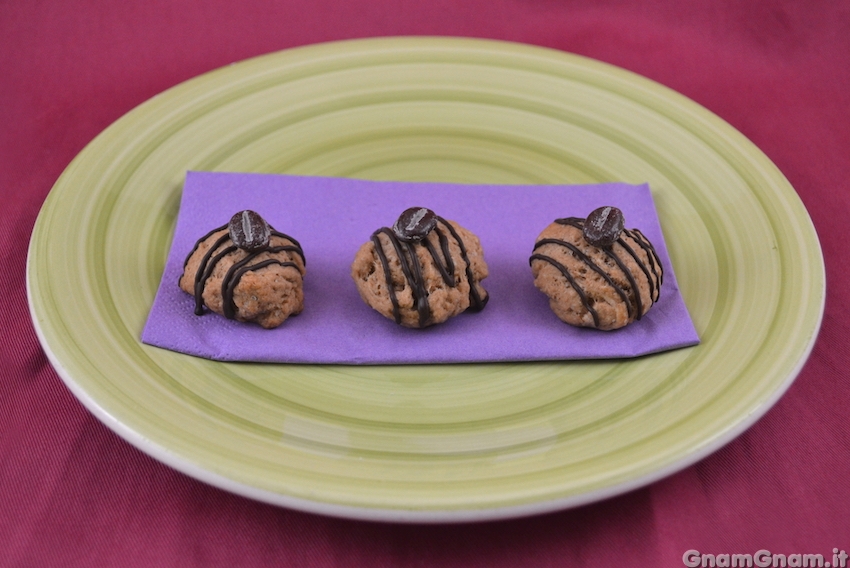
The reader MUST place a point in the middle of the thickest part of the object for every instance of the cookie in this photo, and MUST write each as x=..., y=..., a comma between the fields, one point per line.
x=246, y=271
x=595, y=272
x=422, y=271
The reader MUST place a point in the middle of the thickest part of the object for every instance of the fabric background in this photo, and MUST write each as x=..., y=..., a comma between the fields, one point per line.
x=74, y=494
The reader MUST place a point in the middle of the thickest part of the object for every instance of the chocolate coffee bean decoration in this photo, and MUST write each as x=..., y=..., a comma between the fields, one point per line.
x=415, y=224
x=603, y=226
x=249, y=231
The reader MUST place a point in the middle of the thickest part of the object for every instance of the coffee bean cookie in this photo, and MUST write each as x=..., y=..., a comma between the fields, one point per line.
x=595, y=272
x=422, y=271
x=246, y=271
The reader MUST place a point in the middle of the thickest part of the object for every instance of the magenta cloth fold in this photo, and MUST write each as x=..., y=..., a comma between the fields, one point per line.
x=333, y=217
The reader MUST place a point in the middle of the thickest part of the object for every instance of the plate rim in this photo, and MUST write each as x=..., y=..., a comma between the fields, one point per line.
x=409, y=516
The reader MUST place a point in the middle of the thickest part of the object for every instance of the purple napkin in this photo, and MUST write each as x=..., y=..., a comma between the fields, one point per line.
x=332, y=217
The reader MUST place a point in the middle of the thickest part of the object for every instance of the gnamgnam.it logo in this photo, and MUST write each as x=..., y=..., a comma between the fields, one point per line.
x=764, y=559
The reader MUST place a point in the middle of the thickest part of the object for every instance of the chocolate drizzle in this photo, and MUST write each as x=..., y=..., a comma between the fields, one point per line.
x=653, y=272
x=224, y=246
x=412, y=270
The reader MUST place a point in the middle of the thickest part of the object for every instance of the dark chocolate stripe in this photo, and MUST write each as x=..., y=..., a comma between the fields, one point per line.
x=417, y=281
x=405, y=258
x=239, y=268
x=385, y=264
x=205, y=270
x=595, y=267
x=198, y=243
x=654, y=261
x=227, y=301
x=653, y=272
x=476, y=302
x=444, y=246
x=412, y=269
x=447, y=271
x=630, y=277
x=649, y=279
x=213, y=256
x=296, y=246
x=420, y=296
x=233, y=277
x=572, y=282
x=576, y=222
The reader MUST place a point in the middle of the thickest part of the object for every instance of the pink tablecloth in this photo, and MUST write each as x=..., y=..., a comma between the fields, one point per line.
x=74, y=494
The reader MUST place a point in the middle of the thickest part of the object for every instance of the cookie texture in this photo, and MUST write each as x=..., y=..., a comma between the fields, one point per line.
x=421, y=272
x=256, y=279
x=603, y=287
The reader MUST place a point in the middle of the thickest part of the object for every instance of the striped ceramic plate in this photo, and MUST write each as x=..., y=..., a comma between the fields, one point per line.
x=429, y=443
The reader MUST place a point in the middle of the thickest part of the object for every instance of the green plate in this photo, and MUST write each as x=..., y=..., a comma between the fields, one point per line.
x=442, y=442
